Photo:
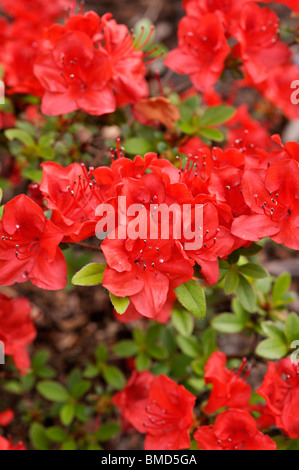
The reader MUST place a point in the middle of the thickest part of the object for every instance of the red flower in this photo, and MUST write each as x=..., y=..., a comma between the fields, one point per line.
x=8, y=445
x=201, y=52
x=6, y=417
x=233, y=430
x=273, y=197
x=144, y=270
x=29, y=246
x=277, y=89
x=22, y=47
x=75, y=76
x=35, y=11
x=73, y=196
x=229, y=388
x=167, y=416
x=280, y=389
x=135, y=393
x=17, y=329
x=259, y=46
x=228, y=10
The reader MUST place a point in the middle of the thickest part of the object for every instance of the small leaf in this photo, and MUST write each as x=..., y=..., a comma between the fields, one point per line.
x=272, y=348
x=183, y=322
x=211, y=134
x=217, y=115
x=38, y=436
x=53, y=391
x=191, y=296
x=80, y=389
x=20, y=135
x=125, y=348
x=231, y=282
x=56, y=434
x=189, y=346
x=119, y=303
x=246, y=294
x=292, y=327
x=143, y=362
x=114, y=377
x=281, y=286
x=89, y=275
x=67, y=414
x=227, y=323
x=253, y=270
x=137, y=146
x=107, y=431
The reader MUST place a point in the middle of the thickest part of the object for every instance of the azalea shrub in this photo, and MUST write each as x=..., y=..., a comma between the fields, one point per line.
x=162, y=179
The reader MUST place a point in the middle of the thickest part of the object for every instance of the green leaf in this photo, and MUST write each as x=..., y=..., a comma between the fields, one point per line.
x=125, y=348
x=114, y=377
x=53, y=391
x=38, y=436
x=188, y=346
x=272, y=348
x=56, y=434
x=119, y=303
x=143, y=362
x=211, y=134
x=292, y=327
x=246, y=294
x=69, y=445
x=231, y=282
x=20, y=135
x=1, y=194
x=217, y=115
x=182, y=322
x=67, y=414
x=281, y=286
x=273, y=331
x=253, y=270
x=137, y=146
x=90, y=275
x=101, y=353
x=107, y=431
x=80, y=389
x=191, y=296
x=251, y=250
x=228, y=323
x=39, y=360
x=156, y=351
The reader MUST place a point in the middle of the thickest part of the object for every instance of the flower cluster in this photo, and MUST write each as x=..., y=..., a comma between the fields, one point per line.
x=222, y=35
x=163, y=410
x=89, y=63
x=246, y=194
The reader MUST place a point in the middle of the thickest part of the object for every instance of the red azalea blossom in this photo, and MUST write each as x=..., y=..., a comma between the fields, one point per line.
x=229, y=388
x=35, y=11
x=280, y=389
x=273, y=196
x=135, y=392
x=8, y=445
x=75, y=76
x=233, y=430
x=17, y=329
x=167, y=416
x=92, y=66
x=259, y=44
x=6, y=416
x=29, y=246
x=201, y=52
